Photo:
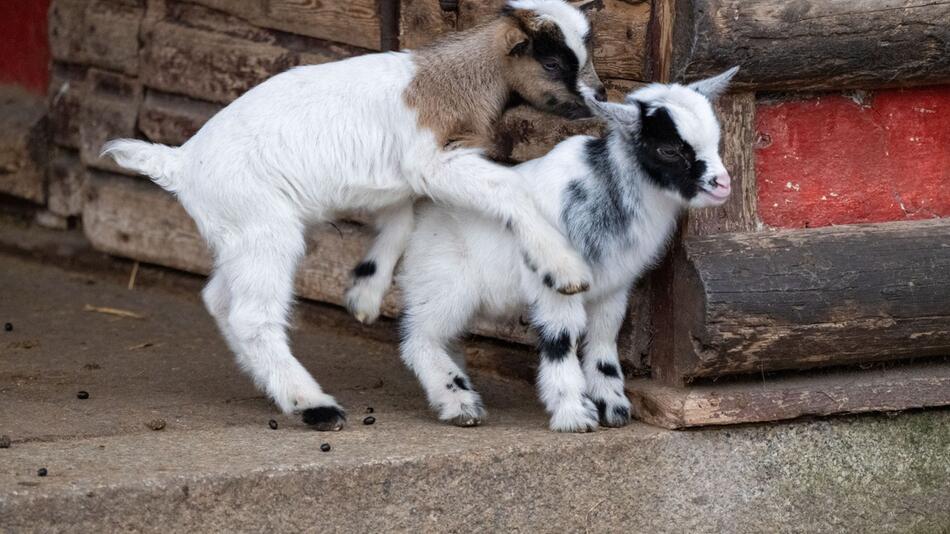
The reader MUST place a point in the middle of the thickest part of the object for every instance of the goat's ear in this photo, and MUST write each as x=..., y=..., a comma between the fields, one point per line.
x=713, y=87
x=515, y=41
x=624, y=115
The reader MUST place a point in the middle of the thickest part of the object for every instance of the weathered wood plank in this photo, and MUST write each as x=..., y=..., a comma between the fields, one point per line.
x=814, y=44
x=109, y=109
x=423, y=21
x=135, y=219
x=775, y=399
x=354, y=22
x=173, y=119
x=66, y=183
x=796, y=299
x=737, y=117
x=194, y=51
x=23, y=144
x=101, y=33
x=66, y=88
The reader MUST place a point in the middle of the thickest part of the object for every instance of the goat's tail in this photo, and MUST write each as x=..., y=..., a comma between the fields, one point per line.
x=161, y=163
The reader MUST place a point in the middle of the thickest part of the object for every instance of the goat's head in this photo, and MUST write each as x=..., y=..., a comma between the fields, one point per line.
x=673, y=133
x=548, y=55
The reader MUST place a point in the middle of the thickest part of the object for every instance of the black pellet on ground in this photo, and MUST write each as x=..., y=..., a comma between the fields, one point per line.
x=82, y=395
x=369, y=420
x=8, y=327
x=325, y=447
x=369, y=409
x=272, y=424
x=41, y=472
x=5, y=442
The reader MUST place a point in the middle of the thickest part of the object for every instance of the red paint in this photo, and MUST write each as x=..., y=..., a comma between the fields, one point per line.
x=24, y=48
x=830, y=160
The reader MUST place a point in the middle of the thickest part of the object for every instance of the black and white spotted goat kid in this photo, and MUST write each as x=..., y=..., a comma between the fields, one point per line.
x=617, y=198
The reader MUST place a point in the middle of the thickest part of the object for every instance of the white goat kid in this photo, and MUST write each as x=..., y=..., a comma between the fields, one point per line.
x=371, y=133
x=617, y=198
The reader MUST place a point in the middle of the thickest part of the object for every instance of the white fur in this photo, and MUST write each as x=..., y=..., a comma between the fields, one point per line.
x=572, y=23
x=459, y=264
x=303, y=147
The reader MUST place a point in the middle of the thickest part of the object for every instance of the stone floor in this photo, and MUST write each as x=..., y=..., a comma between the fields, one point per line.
x=218, y=465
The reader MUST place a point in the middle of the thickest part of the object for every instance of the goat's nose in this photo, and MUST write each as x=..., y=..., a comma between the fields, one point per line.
x=723, y=180
x=601, y=94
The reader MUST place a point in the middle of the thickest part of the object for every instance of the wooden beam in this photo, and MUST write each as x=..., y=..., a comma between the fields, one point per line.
x=23, y=144
x=100, y=33
x=813, y=44
x=808, y=394
x=752, y=302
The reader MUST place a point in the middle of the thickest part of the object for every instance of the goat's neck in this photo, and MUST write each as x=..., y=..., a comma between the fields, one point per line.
x=459, y=89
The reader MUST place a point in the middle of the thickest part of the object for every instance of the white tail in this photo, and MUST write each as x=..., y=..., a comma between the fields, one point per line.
x=159, y=162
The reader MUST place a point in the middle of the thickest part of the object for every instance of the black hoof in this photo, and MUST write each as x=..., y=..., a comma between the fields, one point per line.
x=327, y=418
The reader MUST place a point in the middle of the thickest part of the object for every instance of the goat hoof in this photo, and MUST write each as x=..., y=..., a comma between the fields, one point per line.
x=466, y=421
x=573, y=289
x=325, y=418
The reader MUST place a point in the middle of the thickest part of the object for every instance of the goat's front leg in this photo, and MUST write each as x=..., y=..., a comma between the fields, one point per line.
x=601, y=364
x=464, y=179
x=374, y=274
x=560, y=320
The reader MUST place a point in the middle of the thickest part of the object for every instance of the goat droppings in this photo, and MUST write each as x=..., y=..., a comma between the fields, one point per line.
x=41, y=472
x=325, y=447
x=369, y=420
x=8, y=327
x=369, y=409
x=272, y=424
x=5, y=441
x=82, y=395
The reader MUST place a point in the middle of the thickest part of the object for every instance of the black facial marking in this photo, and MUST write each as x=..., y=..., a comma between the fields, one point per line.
x=608, y=369
x=549, y=45
x=548, y=281
x=461, y=383
x=554, y=348
x=364, y=269
x=597, y=211
x=667, y=159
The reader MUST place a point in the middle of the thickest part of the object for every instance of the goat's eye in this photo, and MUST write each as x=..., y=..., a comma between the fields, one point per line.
x=551, y=66
x=668, y=152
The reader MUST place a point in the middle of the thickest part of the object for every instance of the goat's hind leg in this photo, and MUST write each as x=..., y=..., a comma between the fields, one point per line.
x=257, y=270
x=429, y=326
x=374, y=274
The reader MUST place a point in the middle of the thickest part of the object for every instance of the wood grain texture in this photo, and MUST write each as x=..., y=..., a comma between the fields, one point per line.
x=101, y=33
x=23, y=144
x=814, y=44
x=133, y=218
x=752, y=302
x=423, y=21
x=196, y=52
x=776, y=399
x=739, y=214
x=65, y=98
x=66, y=182
x=108, y=110
x=172, y=119
x=354, y=22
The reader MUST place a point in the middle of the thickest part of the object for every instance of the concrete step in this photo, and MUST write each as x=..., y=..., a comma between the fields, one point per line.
x=217, y=465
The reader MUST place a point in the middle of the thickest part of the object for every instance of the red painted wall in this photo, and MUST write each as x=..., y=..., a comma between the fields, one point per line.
x=24, y=49
x=832, y=160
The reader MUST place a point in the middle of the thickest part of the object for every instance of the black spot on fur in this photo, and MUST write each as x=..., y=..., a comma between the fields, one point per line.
x=461, y=383
x=597, y=211
x=601, y=408
x=324, y=417
x=622, y=412
x=680, y=172
x=608, y=369
x=548, y=281
x=364, y=269
x=554, y=348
